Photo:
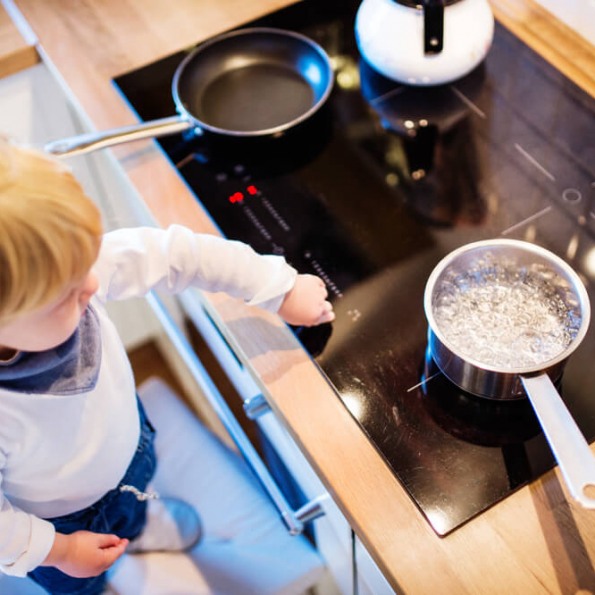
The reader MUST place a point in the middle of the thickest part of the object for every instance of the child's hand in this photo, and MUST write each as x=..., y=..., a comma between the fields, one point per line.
x=306, y=304
x=83, y=554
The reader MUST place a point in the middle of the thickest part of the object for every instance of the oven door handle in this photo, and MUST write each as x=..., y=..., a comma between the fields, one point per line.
x=294, y=520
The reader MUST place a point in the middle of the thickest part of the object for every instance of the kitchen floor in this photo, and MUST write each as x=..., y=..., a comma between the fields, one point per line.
x=147, y=361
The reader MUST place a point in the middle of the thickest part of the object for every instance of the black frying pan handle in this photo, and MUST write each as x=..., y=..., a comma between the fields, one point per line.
x=433, y=26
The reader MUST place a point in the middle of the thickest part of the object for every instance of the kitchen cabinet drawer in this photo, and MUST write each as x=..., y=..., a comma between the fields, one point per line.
x=370, y=581
x=331, y=531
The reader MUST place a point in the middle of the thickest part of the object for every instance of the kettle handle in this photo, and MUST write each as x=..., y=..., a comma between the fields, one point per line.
x=433, y=26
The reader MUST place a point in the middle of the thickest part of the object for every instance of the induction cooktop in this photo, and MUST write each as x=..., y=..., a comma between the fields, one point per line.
x=370, y=194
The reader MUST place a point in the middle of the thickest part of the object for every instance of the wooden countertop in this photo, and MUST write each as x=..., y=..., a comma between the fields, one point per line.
x=535, y=541
x=16, y=53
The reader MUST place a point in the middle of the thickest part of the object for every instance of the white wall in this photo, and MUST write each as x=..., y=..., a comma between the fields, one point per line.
x=577, y=14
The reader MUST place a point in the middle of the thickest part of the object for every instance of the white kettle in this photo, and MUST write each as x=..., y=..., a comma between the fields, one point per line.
x=424, y=42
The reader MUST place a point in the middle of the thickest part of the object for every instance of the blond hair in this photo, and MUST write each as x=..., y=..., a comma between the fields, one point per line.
x=50, y=231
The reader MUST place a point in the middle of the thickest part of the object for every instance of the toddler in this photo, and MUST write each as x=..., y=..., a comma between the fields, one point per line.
x=76, y=450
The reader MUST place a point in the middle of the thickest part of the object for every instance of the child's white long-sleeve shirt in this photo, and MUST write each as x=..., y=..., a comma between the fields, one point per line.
x=61, y=452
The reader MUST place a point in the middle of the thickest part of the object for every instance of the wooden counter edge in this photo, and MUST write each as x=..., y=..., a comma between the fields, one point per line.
x=557, y=43
x=16, y=53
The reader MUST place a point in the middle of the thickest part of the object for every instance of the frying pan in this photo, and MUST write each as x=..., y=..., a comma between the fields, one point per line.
x=503, y=318
x=255, y=82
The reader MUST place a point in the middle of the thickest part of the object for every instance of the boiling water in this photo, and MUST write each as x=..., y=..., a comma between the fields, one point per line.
x=506, y=317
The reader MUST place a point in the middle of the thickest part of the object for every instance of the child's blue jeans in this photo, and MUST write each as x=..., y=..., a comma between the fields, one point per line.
x=118, y=512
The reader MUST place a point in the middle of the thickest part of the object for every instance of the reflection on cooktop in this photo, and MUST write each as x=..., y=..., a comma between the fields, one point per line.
x=370, y=195
x=485, y=422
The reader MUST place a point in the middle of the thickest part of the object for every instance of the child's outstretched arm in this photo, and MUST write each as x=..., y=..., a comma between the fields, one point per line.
x=306, y=304
x=134, y=261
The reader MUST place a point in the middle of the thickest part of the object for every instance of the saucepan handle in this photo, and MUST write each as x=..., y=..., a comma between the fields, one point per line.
x=565, y=438
x=85, y=143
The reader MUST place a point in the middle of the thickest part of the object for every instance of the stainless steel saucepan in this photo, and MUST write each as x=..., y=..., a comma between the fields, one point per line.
x=249, y=83
x=504, y=316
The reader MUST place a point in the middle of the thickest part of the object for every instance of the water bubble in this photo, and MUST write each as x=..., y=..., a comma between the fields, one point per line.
x=506, y=316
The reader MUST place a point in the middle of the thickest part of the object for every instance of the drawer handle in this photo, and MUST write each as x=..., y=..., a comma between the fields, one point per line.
x=256, y=406
x=311, y=510
x=294, y=520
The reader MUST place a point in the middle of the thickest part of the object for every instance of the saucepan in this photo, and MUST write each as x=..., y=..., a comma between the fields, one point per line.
x=254, y=82
x=503, y=318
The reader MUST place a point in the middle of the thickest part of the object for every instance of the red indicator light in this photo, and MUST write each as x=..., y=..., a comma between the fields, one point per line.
x=252, y=190
x=236, y=197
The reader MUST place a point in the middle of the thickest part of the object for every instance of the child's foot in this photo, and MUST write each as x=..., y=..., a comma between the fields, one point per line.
x=172, y=525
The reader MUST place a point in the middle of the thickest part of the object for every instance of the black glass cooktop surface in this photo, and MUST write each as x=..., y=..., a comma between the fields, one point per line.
x=370, y=194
